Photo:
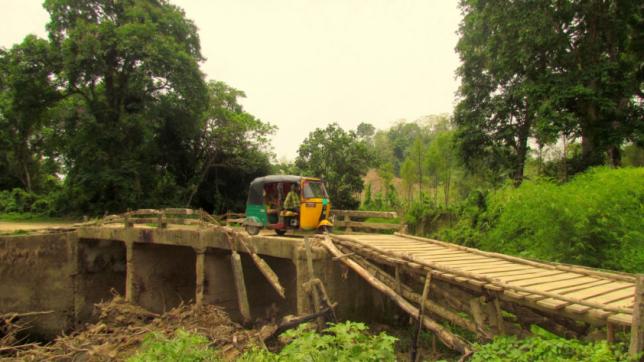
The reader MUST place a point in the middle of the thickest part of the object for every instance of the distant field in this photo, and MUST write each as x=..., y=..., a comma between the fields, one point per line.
x=10, y=223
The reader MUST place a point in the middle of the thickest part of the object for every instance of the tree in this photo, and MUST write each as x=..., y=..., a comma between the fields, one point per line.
x=27, y=90
x=442, y=161
x=340, y=158
x=542, y=69
x=131, y=71
x=232, y=149
x=416, y=155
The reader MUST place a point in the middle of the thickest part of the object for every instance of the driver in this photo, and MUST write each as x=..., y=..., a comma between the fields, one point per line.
x=292, y=201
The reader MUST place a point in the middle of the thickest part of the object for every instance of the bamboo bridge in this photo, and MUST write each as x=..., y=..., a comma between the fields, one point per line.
x=160, y=258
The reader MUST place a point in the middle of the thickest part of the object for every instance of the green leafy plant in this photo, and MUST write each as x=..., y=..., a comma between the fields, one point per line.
x=348, y=341
x=183, y=347
x=546, y=347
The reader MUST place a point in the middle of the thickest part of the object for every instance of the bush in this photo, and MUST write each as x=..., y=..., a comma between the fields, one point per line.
x=594, y=220
x=547, y=347
x=341, y=342
x=183, y=347
x=22, y=202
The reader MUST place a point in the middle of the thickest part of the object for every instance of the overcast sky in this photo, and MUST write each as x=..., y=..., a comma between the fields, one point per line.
x=304, y=64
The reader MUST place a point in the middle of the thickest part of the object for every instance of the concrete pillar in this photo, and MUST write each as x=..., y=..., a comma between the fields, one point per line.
x=200, y=273
x=77, y=298
x=303, y=305
x=130, y=273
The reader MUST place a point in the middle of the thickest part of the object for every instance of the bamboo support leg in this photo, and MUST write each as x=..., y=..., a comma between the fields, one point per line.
x=610, y=333
x=637, y=327
x=240, y=286
x=421, y=313
x=499, y=316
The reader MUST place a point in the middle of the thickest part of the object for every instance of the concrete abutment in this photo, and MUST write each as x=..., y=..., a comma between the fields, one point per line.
x=162, y=268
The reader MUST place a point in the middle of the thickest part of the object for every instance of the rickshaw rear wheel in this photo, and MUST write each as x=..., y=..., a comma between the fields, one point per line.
x=252, y=230
x=280, y=232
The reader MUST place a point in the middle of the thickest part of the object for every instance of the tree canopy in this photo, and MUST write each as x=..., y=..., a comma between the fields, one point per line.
x=340, y=158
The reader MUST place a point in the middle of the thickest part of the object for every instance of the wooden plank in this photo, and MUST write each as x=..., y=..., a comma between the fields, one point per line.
x=461, y=259
x=491, y=264
x=615, y=296
x=491, y=272
x=621, y=319
x=365, y=214
x=481, y=269
x=508, y=273
x=544, y=280
x=543, y=274
x=556, y=287
x=581, y=295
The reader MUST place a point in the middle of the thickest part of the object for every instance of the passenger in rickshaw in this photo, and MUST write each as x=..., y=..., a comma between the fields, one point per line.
x=292, y=201
x=272, y=202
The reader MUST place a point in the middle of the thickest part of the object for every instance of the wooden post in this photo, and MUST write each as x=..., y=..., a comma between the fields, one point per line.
x=347, y=220
x=421, y=313
x=240, y=286
x=637, y=327
x=610, y=333
x=499, y=316
x=200, y=272
x=314, y=289
x=398, y=283
x=162, y=219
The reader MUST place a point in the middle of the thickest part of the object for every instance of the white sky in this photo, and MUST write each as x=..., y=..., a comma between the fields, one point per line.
x=304, y=64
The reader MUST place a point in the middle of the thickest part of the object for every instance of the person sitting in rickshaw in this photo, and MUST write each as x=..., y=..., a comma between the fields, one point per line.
x=292, y=201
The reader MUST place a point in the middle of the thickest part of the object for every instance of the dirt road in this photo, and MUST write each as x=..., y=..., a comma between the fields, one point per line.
x=11, y=226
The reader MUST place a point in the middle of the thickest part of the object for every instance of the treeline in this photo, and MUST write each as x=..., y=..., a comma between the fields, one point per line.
x=112, y=112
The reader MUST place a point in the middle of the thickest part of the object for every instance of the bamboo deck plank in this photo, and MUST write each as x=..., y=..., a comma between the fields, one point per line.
x=582, y=295
x=541, y=274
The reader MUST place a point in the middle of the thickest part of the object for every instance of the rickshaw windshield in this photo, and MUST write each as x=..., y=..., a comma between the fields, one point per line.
x=314, y=190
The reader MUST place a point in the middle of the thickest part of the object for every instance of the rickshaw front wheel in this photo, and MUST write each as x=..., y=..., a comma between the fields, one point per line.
x=324, y=229
x=280, y=232
x=252, y=230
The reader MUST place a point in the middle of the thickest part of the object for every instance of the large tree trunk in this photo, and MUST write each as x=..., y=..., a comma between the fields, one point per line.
x=522, y=150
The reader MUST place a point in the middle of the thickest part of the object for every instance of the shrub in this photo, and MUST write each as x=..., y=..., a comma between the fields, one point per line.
x=183, y=347
x=593, y=220
x=341, y=342
x=546, y=347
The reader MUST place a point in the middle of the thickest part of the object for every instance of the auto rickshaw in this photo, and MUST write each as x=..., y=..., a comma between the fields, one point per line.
x=265, y=205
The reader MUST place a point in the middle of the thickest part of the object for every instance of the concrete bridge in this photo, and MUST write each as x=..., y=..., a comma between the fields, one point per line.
x=369, y=276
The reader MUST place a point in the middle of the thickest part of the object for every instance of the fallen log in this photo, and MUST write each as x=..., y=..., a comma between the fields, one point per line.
x=450, y=340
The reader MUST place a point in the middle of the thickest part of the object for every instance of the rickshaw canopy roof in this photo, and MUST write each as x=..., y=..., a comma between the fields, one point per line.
x=255, y=193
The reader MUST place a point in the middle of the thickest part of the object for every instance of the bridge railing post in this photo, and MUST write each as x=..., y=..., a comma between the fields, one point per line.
x=637, y=327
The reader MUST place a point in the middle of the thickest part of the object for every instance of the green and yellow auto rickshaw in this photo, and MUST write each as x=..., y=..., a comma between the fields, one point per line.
x=283, y=202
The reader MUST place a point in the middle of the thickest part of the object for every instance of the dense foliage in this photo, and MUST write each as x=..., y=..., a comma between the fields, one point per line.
x=546, y=347
x=341, y=342
x=594, y=220
x=113, y=112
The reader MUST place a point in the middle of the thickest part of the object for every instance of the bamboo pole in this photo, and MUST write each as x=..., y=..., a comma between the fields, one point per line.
x=452, y=341
x=414, y=349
